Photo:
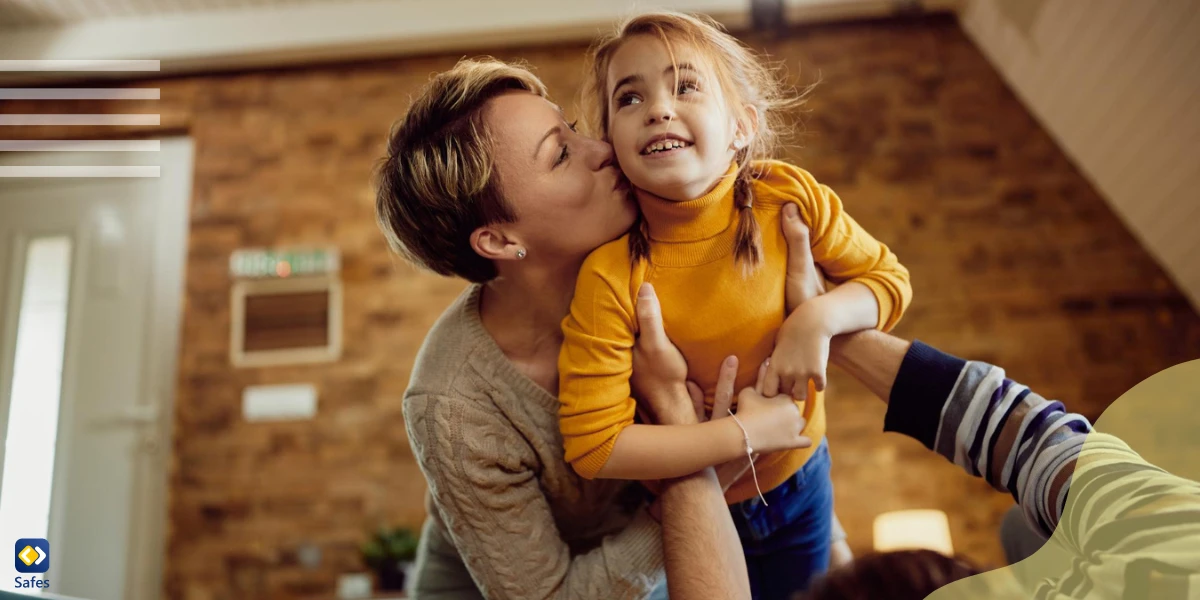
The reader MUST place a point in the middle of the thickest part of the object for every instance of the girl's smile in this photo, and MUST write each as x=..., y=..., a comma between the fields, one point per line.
x=668, y=121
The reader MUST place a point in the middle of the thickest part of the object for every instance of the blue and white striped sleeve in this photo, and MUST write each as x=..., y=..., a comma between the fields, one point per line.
x=991, y=427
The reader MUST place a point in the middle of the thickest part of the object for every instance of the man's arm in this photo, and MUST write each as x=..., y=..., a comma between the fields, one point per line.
x=870, y=356
x=701, y=551
x=972, y=415
x=1137, y=525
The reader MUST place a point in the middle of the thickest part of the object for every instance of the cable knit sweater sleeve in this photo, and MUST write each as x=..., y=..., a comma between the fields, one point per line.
x=483, y=476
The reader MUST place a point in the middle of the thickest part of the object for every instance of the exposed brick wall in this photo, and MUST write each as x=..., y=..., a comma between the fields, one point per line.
x=1015, y=259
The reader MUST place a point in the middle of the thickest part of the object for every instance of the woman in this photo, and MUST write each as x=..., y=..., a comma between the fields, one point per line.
x=485, y=180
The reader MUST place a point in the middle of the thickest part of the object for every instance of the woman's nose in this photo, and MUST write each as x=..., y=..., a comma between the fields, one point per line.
x=601, y=153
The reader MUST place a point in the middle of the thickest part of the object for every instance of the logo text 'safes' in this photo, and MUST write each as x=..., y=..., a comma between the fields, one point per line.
x=31, y=555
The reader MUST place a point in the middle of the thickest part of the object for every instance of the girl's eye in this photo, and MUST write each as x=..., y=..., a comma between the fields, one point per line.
x=687, y=87
x=566, y=152
x=627, y=99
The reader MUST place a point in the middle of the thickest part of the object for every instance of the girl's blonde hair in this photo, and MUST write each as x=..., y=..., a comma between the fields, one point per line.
x=744, y=78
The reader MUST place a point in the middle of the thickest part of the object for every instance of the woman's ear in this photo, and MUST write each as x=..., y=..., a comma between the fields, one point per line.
x=492, y=243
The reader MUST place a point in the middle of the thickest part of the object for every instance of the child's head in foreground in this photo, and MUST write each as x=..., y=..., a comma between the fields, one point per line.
x=681, y=100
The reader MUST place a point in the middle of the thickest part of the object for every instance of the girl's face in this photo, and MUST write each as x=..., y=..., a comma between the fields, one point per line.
x=669, y=125
x=567, y=194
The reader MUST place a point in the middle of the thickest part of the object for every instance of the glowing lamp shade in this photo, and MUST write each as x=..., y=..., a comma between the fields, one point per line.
x=913, y=529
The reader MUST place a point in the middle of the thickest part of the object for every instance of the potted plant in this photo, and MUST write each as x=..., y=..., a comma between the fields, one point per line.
x=389, y=553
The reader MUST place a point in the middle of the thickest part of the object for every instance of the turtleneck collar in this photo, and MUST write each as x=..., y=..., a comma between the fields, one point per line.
x=691, y=220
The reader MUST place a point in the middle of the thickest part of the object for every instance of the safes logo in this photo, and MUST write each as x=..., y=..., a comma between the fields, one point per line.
x=32, y=556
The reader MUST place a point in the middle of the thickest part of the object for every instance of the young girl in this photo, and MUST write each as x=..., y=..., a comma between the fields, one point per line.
x=690, y=113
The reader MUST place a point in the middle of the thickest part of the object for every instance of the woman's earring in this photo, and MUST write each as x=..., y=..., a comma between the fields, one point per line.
x=521, y=253
x=738, y=144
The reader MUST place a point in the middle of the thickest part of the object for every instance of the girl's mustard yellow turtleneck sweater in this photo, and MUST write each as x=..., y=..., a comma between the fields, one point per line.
x=711, y=308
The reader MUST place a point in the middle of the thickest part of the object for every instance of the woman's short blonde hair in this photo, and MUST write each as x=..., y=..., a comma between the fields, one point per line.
x=437, y=184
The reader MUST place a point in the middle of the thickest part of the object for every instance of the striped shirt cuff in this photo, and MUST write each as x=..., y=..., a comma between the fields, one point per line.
x=927, y=377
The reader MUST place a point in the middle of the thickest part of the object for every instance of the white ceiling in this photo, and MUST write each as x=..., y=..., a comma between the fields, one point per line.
x=33, y=14
x=211, y=35
x=38, y=13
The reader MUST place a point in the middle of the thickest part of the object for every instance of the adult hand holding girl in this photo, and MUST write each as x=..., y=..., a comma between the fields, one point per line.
x=660, y=371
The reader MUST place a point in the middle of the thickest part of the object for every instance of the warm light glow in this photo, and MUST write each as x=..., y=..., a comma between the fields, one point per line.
x=283, y=268
x=913, y=529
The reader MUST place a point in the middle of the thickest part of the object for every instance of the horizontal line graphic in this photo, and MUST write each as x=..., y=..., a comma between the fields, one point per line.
x=80, y=145
x=89, y=171
x=47, y=66
x=79, y=120
x=79, y=94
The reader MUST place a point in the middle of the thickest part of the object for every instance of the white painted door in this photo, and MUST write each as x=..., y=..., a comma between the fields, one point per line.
x=90, y=281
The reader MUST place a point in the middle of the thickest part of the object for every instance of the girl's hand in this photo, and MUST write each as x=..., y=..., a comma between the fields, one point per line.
x=659, y=369
x=801, y=354
x=773, y=423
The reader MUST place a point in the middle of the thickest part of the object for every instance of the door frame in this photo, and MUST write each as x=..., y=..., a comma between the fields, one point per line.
x=145, y=564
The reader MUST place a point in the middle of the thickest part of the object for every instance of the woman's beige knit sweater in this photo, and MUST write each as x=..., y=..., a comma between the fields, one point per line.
x=504, y=504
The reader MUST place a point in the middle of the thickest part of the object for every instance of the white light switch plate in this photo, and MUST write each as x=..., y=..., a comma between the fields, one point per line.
x=279, y=402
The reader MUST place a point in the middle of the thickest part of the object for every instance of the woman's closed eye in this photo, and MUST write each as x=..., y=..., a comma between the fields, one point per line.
x=566, y=149
x=563, y=156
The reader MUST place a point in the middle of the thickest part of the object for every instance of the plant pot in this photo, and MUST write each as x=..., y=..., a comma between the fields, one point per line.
x=393, y=576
